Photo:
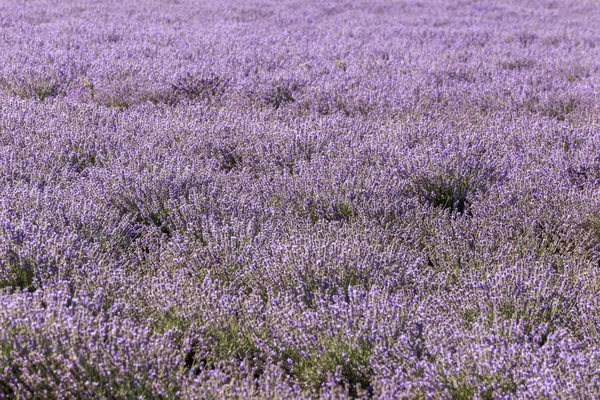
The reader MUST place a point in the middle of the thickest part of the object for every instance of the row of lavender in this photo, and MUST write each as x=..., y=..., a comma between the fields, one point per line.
x=299, y=200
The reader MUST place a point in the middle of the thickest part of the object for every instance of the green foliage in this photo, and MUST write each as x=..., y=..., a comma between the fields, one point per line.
x=149, y=210
x=542, y=313
x=345, y=210
x=199, y=87
x=89, y=85
x=561, y=109
x=352, y=360
x=330, y=210
x=35, y=88
x=19, y=272
x=448, y=191
x=517, y=64
x=229, y=158
x=79, y=161
x=469, y=317
x=42, y=90
x=229, y=272
x=171, y=320
x=460, y=388
x=222, y=342
x=232, y=340
x=119, y=102
x=280, y=95
x=5, y=390
x=461, y=391
x=160, y=219
x=593, y=225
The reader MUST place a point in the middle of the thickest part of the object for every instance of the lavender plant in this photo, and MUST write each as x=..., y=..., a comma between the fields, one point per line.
x=299, y=199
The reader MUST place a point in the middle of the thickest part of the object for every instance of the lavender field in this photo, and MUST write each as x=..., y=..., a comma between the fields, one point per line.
x=300, y=199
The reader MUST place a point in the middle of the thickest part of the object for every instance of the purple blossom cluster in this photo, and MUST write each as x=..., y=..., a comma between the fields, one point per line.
x=300, y=199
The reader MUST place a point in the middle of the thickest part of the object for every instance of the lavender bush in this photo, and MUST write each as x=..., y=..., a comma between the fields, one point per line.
x=367, y=199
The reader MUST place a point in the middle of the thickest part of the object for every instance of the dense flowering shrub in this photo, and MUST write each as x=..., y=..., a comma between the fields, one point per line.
x=300, y=199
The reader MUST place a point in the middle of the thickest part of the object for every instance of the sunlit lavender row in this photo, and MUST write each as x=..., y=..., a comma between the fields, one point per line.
x=300, y=199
